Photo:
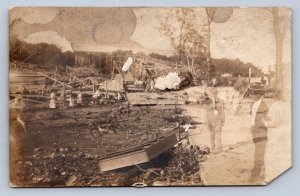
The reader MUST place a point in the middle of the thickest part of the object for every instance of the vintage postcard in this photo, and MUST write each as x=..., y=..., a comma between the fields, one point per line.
x=172, y=96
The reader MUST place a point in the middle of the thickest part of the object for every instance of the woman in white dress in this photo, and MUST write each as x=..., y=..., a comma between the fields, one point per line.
x=79, y=98
x=278, y=156
x=52, y=101
x=71, y=101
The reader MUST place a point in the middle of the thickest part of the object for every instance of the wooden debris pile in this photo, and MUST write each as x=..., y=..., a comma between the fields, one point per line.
x=180, y=164
x=71, y=141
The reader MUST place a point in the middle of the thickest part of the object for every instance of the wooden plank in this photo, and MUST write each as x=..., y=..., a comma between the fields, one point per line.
x=133, y=158
x=138, y=156
x=154, y=99
x=35, y=101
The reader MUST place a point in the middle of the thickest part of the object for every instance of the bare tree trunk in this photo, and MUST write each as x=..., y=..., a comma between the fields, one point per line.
x=279, y=42
x=188, y=62
x=192, y=65
x=209, y=14
x=208, y=40
x=180, y=42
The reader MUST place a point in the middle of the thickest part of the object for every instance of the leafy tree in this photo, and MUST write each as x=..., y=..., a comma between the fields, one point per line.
x=39, y=54
x=235, y=67
x=187, y=41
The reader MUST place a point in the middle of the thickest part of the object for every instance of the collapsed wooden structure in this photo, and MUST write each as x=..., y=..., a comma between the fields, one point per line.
x=73, y=79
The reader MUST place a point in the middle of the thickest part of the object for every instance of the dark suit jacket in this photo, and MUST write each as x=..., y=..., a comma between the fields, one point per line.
x=259, y=130
x=215, y=120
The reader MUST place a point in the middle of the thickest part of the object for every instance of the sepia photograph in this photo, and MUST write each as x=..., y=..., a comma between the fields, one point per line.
x=149, y=96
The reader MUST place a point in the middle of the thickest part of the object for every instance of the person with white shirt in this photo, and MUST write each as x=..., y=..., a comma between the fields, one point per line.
x=278, y=156
x=259, y=111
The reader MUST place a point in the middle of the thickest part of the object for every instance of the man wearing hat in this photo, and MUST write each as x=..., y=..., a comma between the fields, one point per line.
x=259, y=111
x=215, y=119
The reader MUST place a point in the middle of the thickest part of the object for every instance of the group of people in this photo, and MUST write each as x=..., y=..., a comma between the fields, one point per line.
x=262, y=119
x=96, y=99
x=54, y=101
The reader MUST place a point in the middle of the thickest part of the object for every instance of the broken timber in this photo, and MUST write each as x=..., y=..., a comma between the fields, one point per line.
x=55, y=80
x=141, y=98
x=140, y=154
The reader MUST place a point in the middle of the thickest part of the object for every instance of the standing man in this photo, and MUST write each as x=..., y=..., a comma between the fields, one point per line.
x=215, y=120
x=259, y=111
x=96, y=97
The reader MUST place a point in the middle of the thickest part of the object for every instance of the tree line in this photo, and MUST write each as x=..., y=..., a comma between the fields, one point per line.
x=234, y=67
x=40, y=54
x=46, y=55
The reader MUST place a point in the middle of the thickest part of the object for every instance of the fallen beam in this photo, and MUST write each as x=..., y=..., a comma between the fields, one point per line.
x=55, y=80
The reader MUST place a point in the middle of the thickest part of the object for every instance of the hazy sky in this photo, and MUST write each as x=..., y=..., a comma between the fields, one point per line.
x=247, y=35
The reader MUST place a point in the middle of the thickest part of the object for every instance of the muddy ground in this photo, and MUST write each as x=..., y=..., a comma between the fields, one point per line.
x=58, y=147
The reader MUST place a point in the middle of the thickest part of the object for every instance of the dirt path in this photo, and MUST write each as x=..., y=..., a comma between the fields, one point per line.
x=230, y=167
x=233, y=165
